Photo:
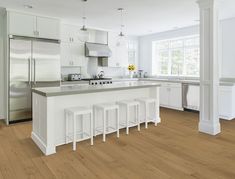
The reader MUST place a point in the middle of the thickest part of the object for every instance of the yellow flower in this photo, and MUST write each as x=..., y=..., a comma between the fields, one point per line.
x=131, y=67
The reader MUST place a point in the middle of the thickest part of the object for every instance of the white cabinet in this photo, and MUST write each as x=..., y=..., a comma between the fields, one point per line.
x=171, y=95
x=33, y=26
x=72, y=46
x=227, y=102
x=164, y=95
x=21, y=24
x=72, y=54
x=73, y=34
x=48, y=28
x=119, y=50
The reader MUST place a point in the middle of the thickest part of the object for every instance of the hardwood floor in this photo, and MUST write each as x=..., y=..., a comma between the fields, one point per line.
x=173, y=149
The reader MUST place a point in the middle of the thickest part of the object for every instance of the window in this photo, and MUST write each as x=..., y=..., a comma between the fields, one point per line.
x=176, y=57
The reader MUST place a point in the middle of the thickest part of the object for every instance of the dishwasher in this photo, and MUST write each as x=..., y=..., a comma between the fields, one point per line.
x=191, y=96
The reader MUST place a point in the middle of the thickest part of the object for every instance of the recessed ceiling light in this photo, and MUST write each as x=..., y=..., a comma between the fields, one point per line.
x=28, y=6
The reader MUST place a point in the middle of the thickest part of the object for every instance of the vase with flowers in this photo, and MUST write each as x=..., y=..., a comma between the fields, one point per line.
x=131, y=69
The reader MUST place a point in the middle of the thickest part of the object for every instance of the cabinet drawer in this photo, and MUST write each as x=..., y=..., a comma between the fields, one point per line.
x=167, y=84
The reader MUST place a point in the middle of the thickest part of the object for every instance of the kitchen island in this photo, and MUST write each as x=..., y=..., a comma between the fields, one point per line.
x=49, y=104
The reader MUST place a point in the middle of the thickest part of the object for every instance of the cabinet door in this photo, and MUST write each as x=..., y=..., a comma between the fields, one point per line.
x=69, y=33
x=48, y=28
x=21, y=24
x=112, y=62
x=225, y=102
x=112, y=39
x=72, y=54
x=65, y=55
x=175, y=97
x=122, y=53
x=77, y=52
x=164, y=96
x=65, y=34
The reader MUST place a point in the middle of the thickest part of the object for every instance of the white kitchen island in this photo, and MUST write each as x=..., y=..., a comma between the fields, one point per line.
x=49, y=104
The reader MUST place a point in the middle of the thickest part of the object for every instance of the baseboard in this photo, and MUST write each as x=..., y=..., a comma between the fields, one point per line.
x=178, y=109
x=46, y=150
x=226, y=118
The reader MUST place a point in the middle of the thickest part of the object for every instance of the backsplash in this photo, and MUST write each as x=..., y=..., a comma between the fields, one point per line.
x=91, y=68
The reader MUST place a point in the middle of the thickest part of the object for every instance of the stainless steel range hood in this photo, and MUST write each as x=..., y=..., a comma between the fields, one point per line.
x=97, y=50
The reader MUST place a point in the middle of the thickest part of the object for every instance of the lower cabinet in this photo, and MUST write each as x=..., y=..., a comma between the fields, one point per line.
x=171, y=95
x=227, y=102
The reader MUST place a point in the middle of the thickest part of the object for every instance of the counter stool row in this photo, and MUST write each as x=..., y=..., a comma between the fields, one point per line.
x=77, y=113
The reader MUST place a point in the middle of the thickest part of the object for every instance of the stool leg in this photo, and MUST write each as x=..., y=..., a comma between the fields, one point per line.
x=146, y=115
x=82, y=125
x=104, y=125
x=94, y=121
x=74, y=132
x=66, y=126
x=138, y=116
x=117, y=117
x=155, y=113
x=127, y=120
x=91, y=128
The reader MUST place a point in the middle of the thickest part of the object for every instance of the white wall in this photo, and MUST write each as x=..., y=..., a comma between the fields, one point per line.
x=145, y=44
x=228, y=48
x=1, y=66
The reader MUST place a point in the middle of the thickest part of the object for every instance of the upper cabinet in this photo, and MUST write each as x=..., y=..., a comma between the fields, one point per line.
x=21, y=24
x=73, y=34
x=118, y=46
x=33, y=26
x=48, y=28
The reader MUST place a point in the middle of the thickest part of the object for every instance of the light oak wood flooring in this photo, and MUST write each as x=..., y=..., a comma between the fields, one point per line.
x=173, y=149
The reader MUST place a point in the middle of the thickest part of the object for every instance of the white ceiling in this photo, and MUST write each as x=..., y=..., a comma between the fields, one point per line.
x=141, y=16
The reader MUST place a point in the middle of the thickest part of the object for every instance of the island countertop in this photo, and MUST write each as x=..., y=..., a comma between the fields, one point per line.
x=81, y=89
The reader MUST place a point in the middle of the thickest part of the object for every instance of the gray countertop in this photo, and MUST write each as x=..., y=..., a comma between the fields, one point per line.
x=81, y=89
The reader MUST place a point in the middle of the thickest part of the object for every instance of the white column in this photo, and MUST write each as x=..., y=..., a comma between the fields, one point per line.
x=209, y=70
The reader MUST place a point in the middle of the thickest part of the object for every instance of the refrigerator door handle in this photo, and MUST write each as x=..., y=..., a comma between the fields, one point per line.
x=29, y=71
x=34, y=69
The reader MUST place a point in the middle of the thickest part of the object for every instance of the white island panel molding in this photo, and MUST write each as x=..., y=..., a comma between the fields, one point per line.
x=209, y=70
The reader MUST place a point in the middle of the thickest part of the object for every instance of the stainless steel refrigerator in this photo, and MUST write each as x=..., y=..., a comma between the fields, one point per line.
x=32, y=63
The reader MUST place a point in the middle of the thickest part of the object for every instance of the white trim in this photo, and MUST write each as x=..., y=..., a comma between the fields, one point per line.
x=169, y=107
x=42, y=146
x=208, y=128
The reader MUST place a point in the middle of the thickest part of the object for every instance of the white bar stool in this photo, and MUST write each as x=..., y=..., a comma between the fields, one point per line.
x=128, y=104
x=105, y=108
x=77, y=113
x=146, y=102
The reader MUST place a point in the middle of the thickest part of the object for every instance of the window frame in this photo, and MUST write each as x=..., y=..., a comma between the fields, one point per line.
x=156, y=61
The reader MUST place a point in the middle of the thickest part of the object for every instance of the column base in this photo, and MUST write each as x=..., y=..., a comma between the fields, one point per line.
x=208, y=128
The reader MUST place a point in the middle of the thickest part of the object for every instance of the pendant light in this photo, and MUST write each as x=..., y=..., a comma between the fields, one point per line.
x=121, y=34
x=84, y=16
